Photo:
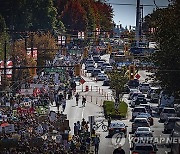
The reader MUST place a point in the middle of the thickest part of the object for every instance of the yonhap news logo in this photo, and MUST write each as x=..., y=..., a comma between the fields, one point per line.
x=118, y=140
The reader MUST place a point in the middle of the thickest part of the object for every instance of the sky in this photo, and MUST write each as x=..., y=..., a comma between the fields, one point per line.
x=126, y=14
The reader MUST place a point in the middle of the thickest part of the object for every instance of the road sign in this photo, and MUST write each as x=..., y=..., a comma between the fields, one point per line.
x=82, y=81
x=54, y=70
x=137, y=76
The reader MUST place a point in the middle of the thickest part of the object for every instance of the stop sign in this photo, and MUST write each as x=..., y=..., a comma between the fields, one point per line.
x=137, y=76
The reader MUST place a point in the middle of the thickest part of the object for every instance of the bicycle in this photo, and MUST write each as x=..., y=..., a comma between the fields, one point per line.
x=96, y=126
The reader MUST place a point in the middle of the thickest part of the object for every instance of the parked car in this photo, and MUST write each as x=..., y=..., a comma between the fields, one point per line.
x=117, y=127
x=167, y=112
x=144, y=87
x=139, y=122
x=170, y=123
x=137, y=110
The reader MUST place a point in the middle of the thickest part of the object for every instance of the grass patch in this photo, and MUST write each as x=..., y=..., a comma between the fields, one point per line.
x=110, y=110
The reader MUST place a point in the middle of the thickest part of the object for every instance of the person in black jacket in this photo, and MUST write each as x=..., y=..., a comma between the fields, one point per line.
x=119, y=150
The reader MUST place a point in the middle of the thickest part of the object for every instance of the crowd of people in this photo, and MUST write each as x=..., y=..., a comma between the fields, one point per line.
x=28, y=126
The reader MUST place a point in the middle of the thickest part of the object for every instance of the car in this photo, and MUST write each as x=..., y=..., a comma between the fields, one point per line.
x=101, y=77
x=170, y=123
x=148, y=108
x=167, y=112
x=96, y=58
x=90, y=68
x=137, y=110
x=142, y=148
x=95, y=72
x=139, y=122
x=106, y=82
x=100, y=63
x=134, y=94
x=117, y=127
x=142, y=137
x=133, y=83
x=143, y=129
x=144, y=87
x=148, y=116
x=153, y=94
x=137, y=101
x=104, y=65
x=132, y=91
x=108, y=69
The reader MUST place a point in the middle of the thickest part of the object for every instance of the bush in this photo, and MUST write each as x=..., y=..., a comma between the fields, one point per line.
x=110, y=110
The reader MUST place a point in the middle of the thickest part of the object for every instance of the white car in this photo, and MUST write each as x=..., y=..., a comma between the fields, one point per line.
x=144, y=87
x=143, y=129
x=167, y=112
x=108, y=69
x=137, y=110
x=101, y=77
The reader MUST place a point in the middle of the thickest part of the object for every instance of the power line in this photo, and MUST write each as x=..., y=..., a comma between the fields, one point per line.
x=130, y=4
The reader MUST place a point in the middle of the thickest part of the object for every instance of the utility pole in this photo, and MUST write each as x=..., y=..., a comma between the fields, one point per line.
x=137, y=22
x=5, y=59
x=32, y=45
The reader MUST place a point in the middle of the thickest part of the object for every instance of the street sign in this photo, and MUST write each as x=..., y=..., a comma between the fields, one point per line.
x=54, y=70
x=82, y=81
x=137, y=76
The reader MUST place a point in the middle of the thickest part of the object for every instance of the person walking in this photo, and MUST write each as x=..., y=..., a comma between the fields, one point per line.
x=75, y=129
x=119, y=150
x=77, y=98
x=83, y=101
x=63, y=104
x=96, y=143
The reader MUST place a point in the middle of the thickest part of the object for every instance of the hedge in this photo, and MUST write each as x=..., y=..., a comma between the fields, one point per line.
x=110, y=110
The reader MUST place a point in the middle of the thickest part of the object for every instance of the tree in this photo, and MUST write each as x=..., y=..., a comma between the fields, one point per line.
x=118, y=79
x=167, y=57
x=74, y=16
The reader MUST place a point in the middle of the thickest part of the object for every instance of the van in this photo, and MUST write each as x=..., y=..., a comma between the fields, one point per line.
x=166, y=99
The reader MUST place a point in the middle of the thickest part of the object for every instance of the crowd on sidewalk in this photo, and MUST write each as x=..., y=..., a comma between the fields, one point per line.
x=28, y=126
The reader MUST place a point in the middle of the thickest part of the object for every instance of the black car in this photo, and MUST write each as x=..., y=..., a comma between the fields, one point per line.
x=106, y=82
x=117, y=127
x=133, y=83
x=95, y=72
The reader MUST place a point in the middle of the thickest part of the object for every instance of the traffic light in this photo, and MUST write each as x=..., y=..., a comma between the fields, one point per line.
x=77, y=70
x=131, y=72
